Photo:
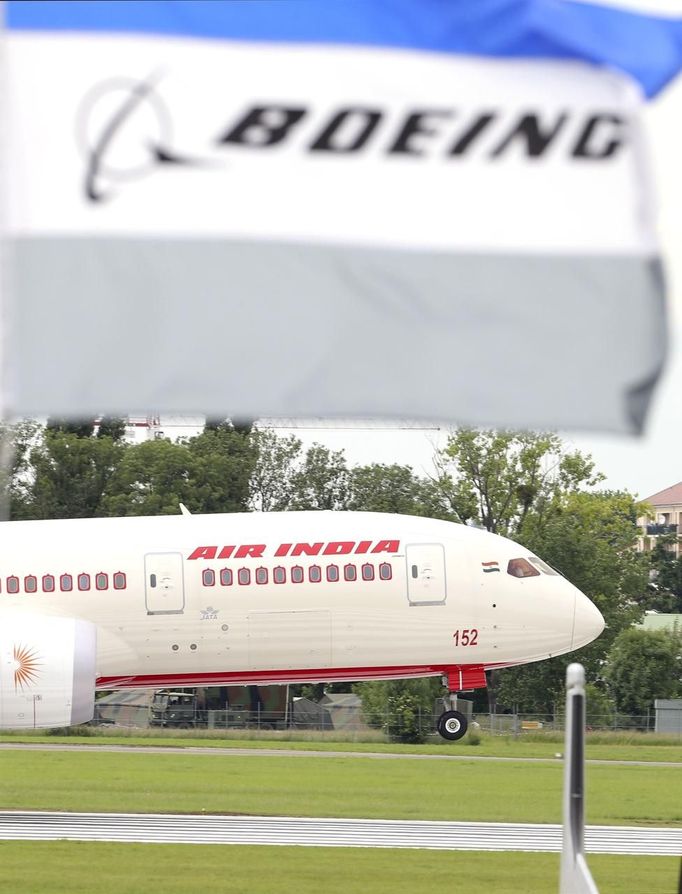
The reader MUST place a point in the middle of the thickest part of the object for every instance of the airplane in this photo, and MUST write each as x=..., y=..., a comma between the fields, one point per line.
x=261, y=598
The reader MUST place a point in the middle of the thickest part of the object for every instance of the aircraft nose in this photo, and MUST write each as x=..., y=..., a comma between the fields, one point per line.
x=588, y=621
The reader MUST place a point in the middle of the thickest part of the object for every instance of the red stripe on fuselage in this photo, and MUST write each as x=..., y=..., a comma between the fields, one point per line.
x=472, y=676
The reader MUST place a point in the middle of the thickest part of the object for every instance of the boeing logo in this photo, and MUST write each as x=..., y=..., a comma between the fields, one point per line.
x=125, y=129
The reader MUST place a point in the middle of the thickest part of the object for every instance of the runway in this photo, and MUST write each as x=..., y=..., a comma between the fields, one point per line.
x=309, y=832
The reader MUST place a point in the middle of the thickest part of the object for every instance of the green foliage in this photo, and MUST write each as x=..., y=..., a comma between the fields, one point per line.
x=113, y=427
x=402, y=708
x=81, y=428
x=382, y=488
x=600, y=708
x=223, y=459
x=272, y=480
x=499, y=479
x=403, y=718
x=473, y=737
x=665, y=593
x=644, y=665
x=151, y=479
x=33, y=867
x=283, y=785
x=65, y=476
x=321, y=482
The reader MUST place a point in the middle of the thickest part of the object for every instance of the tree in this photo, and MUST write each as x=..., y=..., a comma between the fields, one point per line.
x=589, y=537
x=285, y=478
x=272, y=479
x=224, y=459
x=65, y=475
x=81, y=428
x=16, y=477
x=665, y=590
x=402, y=708
x=152, y=478
x=113, y=427
x=321, y=482
x=382, y=488
x=501, y=479
x=644, y=665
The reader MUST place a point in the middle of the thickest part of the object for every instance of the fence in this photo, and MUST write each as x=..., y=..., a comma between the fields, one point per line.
x=420, y=722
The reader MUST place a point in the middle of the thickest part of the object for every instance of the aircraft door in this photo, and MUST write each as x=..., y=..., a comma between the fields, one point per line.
x=426, y=582
x=164, y=583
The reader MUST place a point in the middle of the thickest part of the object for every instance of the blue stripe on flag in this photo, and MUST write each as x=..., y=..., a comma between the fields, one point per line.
x=647, y=47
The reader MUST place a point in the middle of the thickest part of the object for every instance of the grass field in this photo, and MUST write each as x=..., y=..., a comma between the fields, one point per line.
x=512, y=791
x=516, y=790
x=600, y=746
x=87, y=867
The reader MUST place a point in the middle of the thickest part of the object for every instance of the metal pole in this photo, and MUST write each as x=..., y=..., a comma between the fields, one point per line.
x=575, y=875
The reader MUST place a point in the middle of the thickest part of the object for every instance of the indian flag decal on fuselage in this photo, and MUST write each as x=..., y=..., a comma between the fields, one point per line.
x=490, y=566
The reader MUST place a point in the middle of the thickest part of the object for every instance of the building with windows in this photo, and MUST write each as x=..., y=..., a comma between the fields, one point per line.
x=667, y=519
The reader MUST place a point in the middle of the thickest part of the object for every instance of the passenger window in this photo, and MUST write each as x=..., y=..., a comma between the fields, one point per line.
x=385, y=571
x=297, y=574
x=314, y=574
x=225, y=577
x=119, y=581
x=83, y=581
x=368, y=572
x=332, y=573
x=48, y=583
x=31, y=583
x=102, y=581
x=244, y=577
x=350, y=572
x=279, y=574
x=13, y=584
x=521, y=568
x=66, y=583
x=261, y=575
x=208, y=577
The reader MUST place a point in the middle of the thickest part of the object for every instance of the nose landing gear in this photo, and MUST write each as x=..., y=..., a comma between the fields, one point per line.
x=452, y=725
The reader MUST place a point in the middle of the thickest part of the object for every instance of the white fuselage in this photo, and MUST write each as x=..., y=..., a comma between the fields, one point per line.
x=290, y=596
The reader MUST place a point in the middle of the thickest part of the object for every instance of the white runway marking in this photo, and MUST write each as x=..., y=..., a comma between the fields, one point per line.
x=194, y=829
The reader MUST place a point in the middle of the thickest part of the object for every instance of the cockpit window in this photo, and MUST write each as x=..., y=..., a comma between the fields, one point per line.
x=543, y=566
x=521, y=568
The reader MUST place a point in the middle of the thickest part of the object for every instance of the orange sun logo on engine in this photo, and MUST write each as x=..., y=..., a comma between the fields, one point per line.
x=26, y=664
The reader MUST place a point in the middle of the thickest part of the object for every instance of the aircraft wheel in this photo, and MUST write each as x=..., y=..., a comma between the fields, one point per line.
x=452, y=725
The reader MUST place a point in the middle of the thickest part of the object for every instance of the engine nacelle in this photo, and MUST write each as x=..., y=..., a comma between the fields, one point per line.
x=47, y=671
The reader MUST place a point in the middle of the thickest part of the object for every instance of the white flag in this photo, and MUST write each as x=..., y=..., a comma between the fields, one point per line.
x=419, y=209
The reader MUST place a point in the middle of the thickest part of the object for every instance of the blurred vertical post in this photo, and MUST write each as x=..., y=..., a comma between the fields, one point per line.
x=575, y=875
x=6, y=462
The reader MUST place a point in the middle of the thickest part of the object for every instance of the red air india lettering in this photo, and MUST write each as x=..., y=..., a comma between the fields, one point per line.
x=255, y=550
x=333, y=548
x=306, y=549
x=339, y=548
x=387, y=546
x=204, y=552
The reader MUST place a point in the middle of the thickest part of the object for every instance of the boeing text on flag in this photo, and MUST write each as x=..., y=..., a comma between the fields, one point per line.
x=263, y=215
